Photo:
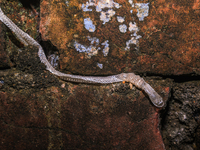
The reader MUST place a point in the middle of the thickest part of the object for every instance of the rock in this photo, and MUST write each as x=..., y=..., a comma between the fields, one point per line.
x=79, y=116
x=25, y=19
x=38, y=110
x=35, y=104
x=123, y=36
x=182, y=119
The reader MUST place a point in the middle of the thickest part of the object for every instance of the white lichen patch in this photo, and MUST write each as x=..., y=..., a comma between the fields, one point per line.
x=133, y=40
x=123, y=28
x=89, y=25
x=67, y=3
x=107, y=15
x=120, y=19
x=100, y=65
x=53, y=59
x=106, y=48
x=94, y=47
x=142, y=10
x=99, y=4
x=90, y=50
x=131, y=2
x=133, y=27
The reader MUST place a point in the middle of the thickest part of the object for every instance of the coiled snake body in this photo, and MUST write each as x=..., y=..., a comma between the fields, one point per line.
x=139, y=82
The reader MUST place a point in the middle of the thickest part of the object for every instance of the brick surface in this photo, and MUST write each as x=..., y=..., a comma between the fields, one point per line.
x=38, y=108
x=52, y=114
x=169, y=36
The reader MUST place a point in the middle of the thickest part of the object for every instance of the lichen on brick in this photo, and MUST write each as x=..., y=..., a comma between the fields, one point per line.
x=107, y=12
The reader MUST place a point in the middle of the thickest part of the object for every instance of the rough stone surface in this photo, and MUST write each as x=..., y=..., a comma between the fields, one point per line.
x=4, y=60
x=25, y=19
x=40, y=111
x=170, y=36
x=110, y=121
x=182, y=119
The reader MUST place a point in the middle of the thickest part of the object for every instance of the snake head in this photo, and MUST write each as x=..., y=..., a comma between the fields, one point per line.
x=155, y=98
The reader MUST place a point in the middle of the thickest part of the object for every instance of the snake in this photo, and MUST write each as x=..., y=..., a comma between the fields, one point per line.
x=132, y=78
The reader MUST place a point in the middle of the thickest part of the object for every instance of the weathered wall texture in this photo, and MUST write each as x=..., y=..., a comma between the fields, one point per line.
x=162, y=33
x=182, y=121
x=40, y=111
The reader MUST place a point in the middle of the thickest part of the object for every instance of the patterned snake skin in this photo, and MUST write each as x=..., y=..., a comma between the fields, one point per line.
x=139, y=82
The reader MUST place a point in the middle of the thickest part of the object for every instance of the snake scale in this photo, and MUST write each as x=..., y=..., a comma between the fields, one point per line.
x=139, y=82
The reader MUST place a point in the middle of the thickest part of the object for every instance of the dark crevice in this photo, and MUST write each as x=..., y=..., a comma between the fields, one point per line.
x=163, y=113
x=51, y=52
x=28, y=3
x=176, y=78
x=48, y=47
x=5, y=68
x=13, y=38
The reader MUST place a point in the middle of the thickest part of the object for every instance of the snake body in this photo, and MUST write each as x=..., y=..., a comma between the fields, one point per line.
x=139, y=82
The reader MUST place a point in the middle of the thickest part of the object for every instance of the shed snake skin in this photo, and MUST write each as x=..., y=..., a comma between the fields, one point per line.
x=139, y=82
